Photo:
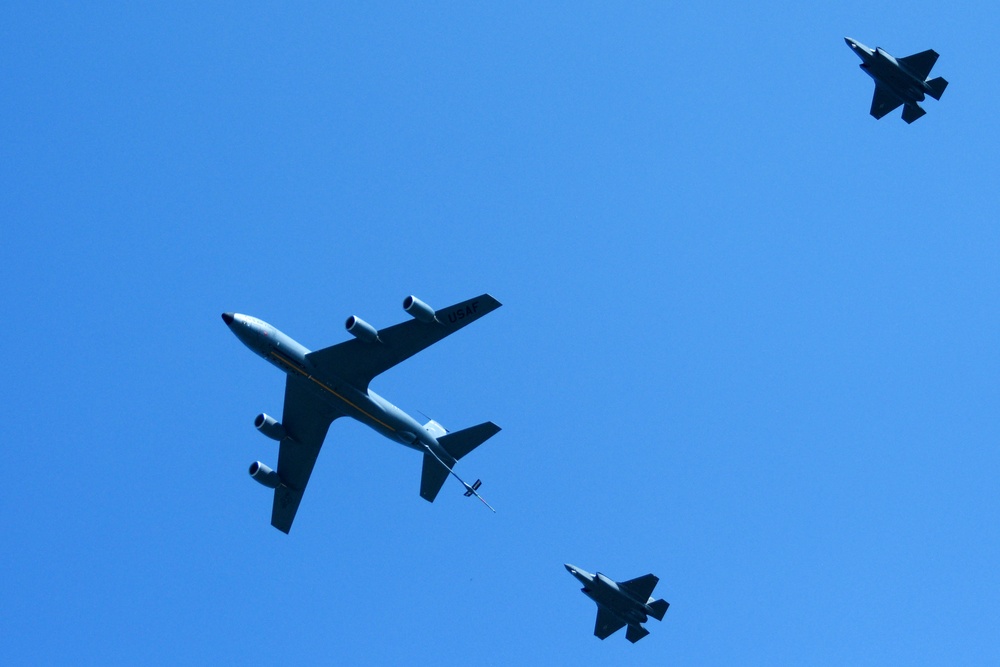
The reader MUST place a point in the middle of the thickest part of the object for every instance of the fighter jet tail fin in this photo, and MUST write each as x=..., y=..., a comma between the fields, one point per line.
x=937, y=87
x=460, y=443
x=635, y=633
x=659, y=608
x=911, y=112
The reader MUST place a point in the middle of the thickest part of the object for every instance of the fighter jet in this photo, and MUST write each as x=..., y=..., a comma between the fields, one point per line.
x=333, y=382
x=619, y=604
x=901, y=81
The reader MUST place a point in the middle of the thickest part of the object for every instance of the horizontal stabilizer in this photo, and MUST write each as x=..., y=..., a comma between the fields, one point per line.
x=635, y=633
x=432, y=477
x=911, y=112
x=659, y=608
x=460, y=443
x=937, y=87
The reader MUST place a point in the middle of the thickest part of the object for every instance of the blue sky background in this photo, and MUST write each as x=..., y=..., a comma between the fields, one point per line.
x=748, y=342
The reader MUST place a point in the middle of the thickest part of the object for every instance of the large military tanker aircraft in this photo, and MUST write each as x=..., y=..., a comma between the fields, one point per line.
x=333, y=382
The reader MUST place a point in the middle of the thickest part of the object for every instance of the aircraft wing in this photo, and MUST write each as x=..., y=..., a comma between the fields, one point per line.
x=306, y=418
x=641, y=587
x=358, y=361
x=607, y=624
x=884, y=102
x=920, y=64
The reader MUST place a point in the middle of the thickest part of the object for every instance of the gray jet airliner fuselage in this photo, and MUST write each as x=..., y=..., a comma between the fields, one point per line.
x=365, y=406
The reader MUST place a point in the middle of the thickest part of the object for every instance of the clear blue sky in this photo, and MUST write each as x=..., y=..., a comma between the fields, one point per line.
x=748, y=342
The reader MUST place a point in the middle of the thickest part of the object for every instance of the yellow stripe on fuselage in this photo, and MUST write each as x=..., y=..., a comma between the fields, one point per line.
x=301, y=372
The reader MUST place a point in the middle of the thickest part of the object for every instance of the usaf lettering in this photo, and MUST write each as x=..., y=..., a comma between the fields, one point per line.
x=460, y=314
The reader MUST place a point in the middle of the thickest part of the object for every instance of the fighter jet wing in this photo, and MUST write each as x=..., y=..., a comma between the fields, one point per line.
x=306, y=419
x=607, y=624
x=640, y=588
x=884, y=102
x=358, y=361
x=920, y=64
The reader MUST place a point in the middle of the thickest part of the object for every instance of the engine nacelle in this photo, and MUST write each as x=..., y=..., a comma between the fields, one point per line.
x=418, y=309
x=358, y=328
x=264, y=475
x=270, y=427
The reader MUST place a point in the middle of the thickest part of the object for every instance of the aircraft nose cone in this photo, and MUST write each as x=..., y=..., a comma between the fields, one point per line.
x=850, y=42
x=569, y=568
x=227, y=318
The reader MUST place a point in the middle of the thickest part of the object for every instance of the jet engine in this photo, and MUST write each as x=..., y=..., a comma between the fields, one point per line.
x=358, y=328
x=270, y=427
x=418, y=309
x=264, y=475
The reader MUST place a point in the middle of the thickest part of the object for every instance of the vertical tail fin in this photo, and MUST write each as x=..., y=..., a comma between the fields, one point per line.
x=434, y=428
x=937, y=87
x=659, y=608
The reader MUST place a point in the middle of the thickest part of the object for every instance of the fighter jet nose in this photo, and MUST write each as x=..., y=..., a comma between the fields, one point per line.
x=569, y=568
x=227, y=318
x=850, y=42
